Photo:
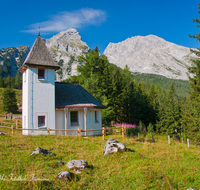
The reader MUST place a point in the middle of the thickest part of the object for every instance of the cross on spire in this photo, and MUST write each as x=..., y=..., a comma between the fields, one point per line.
x=39, y=31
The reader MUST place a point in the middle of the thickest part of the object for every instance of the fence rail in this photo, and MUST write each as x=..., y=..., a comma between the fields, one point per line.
x=16, y=122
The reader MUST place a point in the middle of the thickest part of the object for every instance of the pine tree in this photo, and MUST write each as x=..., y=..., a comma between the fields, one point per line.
x=197, y=20
x=126, y=95
x=2, y=85
x=191, y=115
x=170, y=115
x=153, y=103
x=92, y=76
x=18, y=81
x=9, y=101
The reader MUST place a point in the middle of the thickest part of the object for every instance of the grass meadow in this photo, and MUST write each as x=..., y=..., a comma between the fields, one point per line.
x=144, y=165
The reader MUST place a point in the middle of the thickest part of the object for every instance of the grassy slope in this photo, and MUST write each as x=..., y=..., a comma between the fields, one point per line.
x=182, y=86
x=145, y=166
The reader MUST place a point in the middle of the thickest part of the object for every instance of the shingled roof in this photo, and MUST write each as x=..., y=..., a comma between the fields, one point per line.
x=74, y=96
x=39, y=55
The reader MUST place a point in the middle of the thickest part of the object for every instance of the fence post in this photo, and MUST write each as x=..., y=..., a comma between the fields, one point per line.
x=152, y=137
x=168, y=139
x=12, y=129
x=16, y=124
x=188, y=143
x=181, y=135
x=79, y=132
x=104, y=134
x=48, y=131
x=122, y=131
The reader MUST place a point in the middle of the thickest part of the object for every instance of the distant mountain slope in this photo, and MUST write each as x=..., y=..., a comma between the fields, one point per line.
x=11, y=59
x=151, y=54
x=182, y=87
x=65, y=47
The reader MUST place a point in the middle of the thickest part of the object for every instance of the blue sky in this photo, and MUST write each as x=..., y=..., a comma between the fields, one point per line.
x=98, y=22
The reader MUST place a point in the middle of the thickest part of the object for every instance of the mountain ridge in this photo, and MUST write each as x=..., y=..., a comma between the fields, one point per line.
x=11, y=59
x=143, y=54
x=151, y=54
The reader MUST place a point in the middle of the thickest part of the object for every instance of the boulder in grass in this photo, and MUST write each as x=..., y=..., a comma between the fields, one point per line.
x=39, y=150
x=112, y=146
x=64, y=175
x=77, y=165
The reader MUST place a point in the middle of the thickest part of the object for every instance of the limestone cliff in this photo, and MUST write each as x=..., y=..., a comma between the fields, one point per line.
x=151, y=54
x=65, y=47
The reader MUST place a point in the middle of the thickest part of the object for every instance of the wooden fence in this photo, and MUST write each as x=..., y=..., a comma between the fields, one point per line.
x=104, y=129
x=12, y=128
x=17, y=123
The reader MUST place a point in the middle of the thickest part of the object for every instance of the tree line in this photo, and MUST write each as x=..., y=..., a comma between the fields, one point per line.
x=182, y=86
x=11, y=82
x=133, y=102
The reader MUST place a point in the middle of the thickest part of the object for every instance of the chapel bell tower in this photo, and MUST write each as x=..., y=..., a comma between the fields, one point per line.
x=38, y=99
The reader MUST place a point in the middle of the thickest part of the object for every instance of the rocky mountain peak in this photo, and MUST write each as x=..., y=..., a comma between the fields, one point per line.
x=65, y=47
x=63, y=37
x=151, y=54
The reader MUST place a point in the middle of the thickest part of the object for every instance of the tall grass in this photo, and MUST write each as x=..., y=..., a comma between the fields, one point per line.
x=143, y=165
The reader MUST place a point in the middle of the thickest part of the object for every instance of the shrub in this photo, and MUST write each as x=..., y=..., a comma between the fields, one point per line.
x=150, y=128
x=131, y=129
x=142, y=125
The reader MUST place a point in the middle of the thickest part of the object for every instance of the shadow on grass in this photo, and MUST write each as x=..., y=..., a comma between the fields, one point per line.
x=44, y=184
x=129, y=150
x=141, y=140
x=90, y=167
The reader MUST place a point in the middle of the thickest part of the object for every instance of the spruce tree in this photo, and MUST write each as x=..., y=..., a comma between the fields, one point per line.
x=18, y=81
x=191, y=118
x=170, y=116
x=153, y=103
x=9, y=101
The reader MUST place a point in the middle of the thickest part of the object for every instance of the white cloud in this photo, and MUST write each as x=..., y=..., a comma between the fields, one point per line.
x=65, y=20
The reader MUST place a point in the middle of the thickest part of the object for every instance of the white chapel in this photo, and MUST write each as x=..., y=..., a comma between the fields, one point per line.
x=54, y=105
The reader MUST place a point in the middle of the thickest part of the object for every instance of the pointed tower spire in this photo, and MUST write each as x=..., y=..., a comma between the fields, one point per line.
x=39, y=55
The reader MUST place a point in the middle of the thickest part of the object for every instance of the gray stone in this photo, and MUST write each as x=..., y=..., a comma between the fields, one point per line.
x=39, y=150
x=64, y=175
x=77, y=165
x=21, y=146
x=112, y=146
x=61, y=163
